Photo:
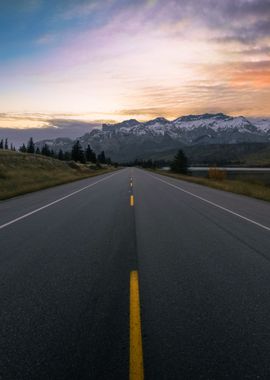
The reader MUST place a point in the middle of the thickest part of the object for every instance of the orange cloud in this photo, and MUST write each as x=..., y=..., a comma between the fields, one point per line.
x=254, y=78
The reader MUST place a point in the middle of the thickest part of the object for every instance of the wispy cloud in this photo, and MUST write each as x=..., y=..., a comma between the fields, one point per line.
x=46, y=39
x=143, y=57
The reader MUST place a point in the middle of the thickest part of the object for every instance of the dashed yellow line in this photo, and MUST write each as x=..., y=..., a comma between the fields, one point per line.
x=132, y=200
x=136, y=371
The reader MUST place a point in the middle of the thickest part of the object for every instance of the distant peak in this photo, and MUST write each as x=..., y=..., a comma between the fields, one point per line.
x=114, y=127
x=130, y=121
x=160, y=120
x=203, y=116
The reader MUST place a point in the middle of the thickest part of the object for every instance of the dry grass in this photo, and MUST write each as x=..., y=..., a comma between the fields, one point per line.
x=249, y=189
x=22, y=173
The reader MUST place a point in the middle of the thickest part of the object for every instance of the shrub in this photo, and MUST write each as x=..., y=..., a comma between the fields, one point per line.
x=74, y=165
x=217, y=174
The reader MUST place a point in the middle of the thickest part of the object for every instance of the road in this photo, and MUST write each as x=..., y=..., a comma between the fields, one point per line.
x=69, y=308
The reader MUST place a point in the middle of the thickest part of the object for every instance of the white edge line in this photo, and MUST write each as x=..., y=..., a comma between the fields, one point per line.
x=54, y=202
x=212, y=203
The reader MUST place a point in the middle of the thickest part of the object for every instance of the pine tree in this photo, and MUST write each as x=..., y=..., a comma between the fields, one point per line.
x=102, y=158
x=67, y=156
x=31, y=146
x=94, y=158
x=60, y=155
x=45, y=151
x=77, y=153
x=23, y=148
x=6, y=144
x=90, y=155
x=2, y=144
x=37, y=150
x=180, y=163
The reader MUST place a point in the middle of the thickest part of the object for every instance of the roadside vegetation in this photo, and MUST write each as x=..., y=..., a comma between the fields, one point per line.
x=250, y=189
x=216, y=179
x=30, y=170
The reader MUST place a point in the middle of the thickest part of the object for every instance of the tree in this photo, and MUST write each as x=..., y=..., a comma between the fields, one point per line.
x=6, y=144
x=60, y=155
x=45, y=151
x=31, y=146
x=23, y=148
x=77, y=153
x=102, y=158
x=180, y=163
x=2, y=144
x=90, y=155
x=94, y=158
x=37, y=150
x=67, y=156
x=149, y=164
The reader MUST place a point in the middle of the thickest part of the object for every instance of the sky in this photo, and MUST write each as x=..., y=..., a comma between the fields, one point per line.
x=120, y=59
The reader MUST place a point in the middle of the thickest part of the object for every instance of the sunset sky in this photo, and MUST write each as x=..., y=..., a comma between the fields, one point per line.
x=116, y=59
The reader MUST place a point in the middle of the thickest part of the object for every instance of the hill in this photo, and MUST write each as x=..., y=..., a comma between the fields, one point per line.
x=22, y=173
x=244, y=154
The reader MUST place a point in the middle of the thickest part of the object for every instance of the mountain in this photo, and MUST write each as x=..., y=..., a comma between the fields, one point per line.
x=261, y=123
x=132, y=139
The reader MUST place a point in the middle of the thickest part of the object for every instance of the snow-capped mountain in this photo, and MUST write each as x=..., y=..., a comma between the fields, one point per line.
x=217, y=123
x=261, y=123
x=131, y=138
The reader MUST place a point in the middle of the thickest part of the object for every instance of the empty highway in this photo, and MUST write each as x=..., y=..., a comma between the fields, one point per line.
x=134, y=275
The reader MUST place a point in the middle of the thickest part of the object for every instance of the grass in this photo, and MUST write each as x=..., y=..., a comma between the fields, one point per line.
x=250, y=189
x=22, y=173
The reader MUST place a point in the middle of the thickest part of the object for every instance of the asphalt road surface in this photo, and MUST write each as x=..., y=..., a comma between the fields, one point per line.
x=203, y=262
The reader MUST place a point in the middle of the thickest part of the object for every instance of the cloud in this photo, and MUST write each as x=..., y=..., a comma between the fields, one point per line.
x=46, y=39
x=170, y=57
x=263, y=50
x=243, y=21
x=82, y=9
x=24, y=6
x=252, y=74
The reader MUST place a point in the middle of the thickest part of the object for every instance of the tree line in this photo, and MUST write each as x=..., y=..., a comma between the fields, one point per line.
x=77, y=153
x=148, y=164
x=4, y=145
x=179, y=164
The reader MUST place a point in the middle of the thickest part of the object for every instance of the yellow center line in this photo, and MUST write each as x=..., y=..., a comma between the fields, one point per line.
x=136, y=371
x=132, y=200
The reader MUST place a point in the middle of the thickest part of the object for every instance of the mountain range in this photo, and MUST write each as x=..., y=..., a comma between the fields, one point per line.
x=132, y=139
